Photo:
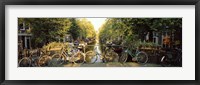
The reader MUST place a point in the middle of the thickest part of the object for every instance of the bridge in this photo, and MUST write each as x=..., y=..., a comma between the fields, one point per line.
x=112, y=64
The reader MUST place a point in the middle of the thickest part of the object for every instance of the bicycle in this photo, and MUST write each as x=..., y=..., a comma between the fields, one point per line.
x=44, y=59
x=30, y=59
x=48, y=58
x=72, y=56
x=110, y=55
x=141, y=56
x=91, y=56
x=172, y=57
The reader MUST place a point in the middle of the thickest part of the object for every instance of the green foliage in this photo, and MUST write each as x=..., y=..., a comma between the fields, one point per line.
x=54, y=44
x=87, y=29
x=135, y=29
x=45, y=30
x=148, y=44
x=74, y=29
x=119, y=30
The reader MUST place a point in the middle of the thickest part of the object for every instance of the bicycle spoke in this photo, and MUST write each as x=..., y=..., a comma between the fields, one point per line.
x=25, y=62
x=142, y=57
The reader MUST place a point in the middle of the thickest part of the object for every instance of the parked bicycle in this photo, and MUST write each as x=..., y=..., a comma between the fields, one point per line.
x=73, y=56
x=172, y=57
x=44, y=59
x=140, y=56
x=110, y=55
x=91, y=56
x=30, y=58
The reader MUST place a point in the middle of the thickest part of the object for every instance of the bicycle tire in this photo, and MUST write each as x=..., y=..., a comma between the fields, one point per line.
x=35, y=62
x=78, y=57
x=57, y=60
x=27, y=60
x=123, y=58
x=111, y=57
x=90, y=57
x=44, y=61
x=165, y=61
x=142, y=59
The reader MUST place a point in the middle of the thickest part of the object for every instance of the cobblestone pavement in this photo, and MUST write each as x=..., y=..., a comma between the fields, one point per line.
x=112, y=64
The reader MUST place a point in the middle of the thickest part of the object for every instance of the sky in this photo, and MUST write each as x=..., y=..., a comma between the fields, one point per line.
x=97, y=22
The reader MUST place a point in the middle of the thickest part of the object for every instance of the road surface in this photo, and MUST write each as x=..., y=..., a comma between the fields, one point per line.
x=112, y=64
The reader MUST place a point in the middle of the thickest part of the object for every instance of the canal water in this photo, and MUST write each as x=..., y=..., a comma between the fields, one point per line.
x=97, y=46
x=97, y=52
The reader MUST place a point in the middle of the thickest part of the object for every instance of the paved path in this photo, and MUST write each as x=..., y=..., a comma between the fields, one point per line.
x=112, y=64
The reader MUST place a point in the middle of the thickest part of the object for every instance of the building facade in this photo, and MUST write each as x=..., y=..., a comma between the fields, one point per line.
x=24, y=37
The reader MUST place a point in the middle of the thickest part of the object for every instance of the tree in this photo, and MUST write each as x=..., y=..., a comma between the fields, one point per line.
x=87, y=29
x=74, y=29
x=135, y=29
x=45, y=30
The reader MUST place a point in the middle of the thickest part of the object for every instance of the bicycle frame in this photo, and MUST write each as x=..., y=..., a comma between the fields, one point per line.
x=130, y=53
x=64, y=55
x=28, y=56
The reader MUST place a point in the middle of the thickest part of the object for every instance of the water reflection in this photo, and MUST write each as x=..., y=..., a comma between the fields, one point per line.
x=98, y=52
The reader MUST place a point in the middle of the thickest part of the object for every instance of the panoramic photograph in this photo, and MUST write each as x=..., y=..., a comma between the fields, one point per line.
x=99, y=42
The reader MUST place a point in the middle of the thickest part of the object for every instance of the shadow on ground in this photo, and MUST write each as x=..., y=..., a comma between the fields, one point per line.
x=112, y=64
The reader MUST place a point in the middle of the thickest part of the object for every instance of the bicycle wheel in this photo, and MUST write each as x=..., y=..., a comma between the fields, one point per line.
x=57, y=60
x=79, y=57
x=123, y=58
x=142, y=57
x=44, y=61
x=165, y=61
x=35, y=62
x=111, y=56
x=178, y=60
x=90, y=57
x=24, y=62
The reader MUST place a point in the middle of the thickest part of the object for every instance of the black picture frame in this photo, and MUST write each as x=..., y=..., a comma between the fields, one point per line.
x=3, y=3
